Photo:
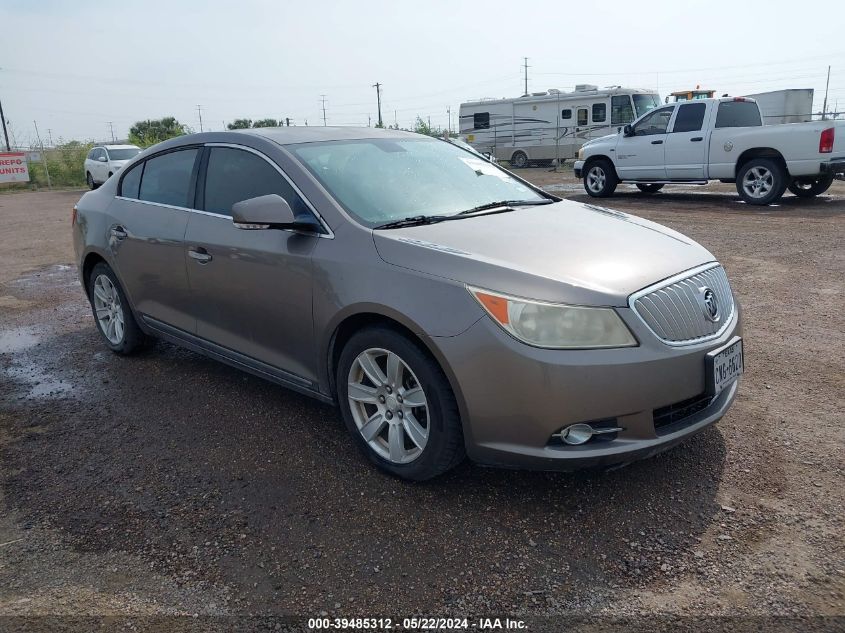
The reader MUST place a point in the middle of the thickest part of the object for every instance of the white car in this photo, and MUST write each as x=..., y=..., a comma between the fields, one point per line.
x=723, y=139
x=104, y=160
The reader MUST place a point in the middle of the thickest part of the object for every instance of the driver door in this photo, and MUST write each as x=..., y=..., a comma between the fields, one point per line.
x=641, y=156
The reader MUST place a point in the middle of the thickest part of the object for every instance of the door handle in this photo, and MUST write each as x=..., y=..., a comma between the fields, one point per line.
x=200, y=254
x=657, y=142
x=695, y=139
x=118, y=232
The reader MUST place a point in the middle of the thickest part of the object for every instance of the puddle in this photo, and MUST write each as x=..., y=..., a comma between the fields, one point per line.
x=17, y=340
x=41, y=383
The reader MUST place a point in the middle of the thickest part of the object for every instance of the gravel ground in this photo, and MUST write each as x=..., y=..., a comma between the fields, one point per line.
x=167, y=484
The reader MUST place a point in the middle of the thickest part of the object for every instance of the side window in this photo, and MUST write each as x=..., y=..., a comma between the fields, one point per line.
x=690, y=117
x=234, y=175
x=91, y=154
x=621, y=111
x=599, y=112
x=131, y=183
x=654, y=123
x=582, y=116
x=481, y=120
x=738, y=114
x=566, y=114
x=167, y=178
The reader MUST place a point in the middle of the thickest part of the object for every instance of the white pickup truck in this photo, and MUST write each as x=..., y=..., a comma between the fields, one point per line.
x=724, y=139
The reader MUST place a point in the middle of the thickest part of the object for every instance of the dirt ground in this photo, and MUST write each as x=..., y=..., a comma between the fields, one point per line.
x=167, y=483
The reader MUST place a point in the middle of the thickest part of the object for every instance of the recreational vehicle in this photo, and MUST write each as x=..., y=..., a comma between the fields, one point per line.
x=544, y=126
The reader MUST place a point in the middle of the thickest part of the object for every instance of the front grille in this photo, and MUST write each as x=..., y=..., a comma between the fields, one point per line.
x=675, y=311
x=671, y=417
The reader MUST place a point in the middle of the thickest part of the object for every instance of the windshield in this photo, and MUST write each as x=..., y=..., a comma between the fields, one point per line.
x=644, y=103
x=123, y=154
x=384, y=180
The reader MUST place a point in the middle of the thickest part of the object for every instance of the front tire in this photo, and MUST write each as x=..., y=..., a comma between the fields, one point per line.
x=89, y=179
x=810, y=187
x=519, y=160
x=112, y=313
x=600, y=179
x=398, y=405
x=761, y=181
x=652, y=188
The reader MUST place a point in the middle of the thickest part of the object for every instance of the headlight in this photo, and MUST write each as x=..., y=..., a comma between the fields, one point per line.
x=555, y=325
x=581, y=154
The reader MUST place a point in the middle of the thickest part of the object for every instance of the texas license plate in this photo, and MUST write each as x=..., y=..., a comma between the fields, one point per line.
x=724, y=366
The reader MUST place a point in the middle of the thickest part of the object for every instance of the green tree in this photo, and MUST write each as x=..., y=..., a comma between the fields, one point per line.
x=266, y=123
x=152, y=131
x=240, y=124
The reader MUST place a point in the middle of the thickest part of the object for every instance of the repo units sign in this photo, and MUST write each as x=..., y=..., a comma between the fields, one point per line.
x=13, y=167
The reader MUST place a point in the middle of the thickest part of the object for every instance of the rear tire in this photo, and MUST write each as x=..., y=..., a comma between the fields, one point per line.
x=519, y=160
x=810, y=187
x=761, y=181
x=112, y=313
x=649, y=188
x=405, y=420
x=600, y=179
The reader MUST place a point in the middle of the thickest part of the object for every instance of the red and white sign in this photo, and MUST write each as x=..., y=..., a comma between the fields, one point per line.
x=13, y=167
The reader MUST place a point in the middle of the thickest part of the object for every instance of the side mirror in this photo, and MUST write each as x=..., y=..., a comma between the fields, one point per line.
x=268, y=212
x=102, y=159
x=627, y=130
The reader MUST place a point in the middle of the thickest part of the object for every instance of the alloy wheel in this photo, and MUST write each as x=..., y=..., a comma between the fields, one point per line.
x=596, y=179
x=108, y=309
x=388, y=405
x=758, y=182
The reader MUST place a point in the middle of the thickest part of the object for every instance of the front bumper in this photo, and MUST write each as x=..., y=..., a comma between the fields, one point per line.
x=579, y=166
x=835, y=166
x=514, y=397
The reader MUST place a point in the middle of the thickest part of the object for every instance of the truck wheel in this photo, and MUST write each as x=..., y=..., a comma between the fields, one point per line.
x=600, y=179
x=810, y=187
x=761, y=181
x=650, y=188
x=519, y=160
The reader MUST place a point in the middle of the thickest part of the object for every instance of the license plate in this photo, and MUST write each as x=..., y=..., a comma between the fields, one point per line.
x=724, y=366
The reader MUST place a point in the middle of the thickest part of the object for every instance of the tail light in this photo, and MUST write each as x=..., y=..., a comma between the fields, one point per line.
x=73, y=216
x=826, y=140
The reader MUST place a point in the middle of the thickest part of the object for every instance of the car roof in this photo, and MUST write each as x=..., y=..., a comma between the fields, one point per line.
x=316, y=134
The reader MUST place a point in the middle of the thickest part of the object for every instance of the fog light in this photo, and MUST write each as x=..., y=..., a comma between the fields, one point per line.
x=577, y=434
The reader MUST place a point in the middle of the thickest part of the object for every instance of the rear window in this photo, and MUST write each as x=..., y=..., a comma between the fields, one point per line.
x=738, y=114
x=167, y=178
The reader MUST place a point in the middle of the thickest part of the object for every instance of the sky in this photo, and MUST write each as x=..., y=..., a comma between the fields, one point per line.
x=74, y=66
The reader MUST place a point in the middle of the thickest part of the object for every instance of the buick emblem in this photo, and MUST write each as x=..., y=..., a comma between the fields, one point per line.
x=709, y=304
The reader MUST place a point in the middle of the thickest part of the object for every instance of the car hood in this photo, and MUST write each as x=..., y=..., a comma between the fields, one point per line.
x=117, y=164
x=564, y=252
x=601, y=139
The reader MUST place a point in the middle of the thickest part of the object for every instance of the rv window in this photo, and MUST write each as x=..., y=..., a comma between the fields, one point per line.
x=621, y=111
x=582, y=116
x=690, y=117
x=481, y=120
x=599, y=112
x=566, y=114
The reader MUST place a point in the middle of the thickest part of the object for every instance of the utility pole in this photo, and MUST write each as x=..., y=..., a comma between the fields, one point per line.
x=49, y=137
x=377, y=86
x=449, y=125
x=323, y=99
x=43, y=156
x=5, y=132
x=525, y=66
x=199, y=112
x=111, y=128
x=826, y=87
x=395, y=120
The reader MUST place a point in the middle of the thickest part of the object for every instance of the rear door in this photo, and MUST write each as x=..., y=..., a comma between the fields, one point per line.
x=100, y=170
x=641, y=156
x=251, y=288
x=686, y=144
x=148, y=221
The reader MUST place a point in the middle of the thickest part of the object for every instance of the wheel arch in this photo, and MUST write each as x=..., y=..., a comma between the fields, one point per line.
x=589, y=162
x=91, y=259
x=359, y=317
x=760, y=152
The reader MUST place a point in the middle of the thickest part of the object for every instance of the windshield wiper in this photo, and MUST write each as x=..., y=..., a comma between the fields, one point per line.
x=505, y=203
x=414, y=220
